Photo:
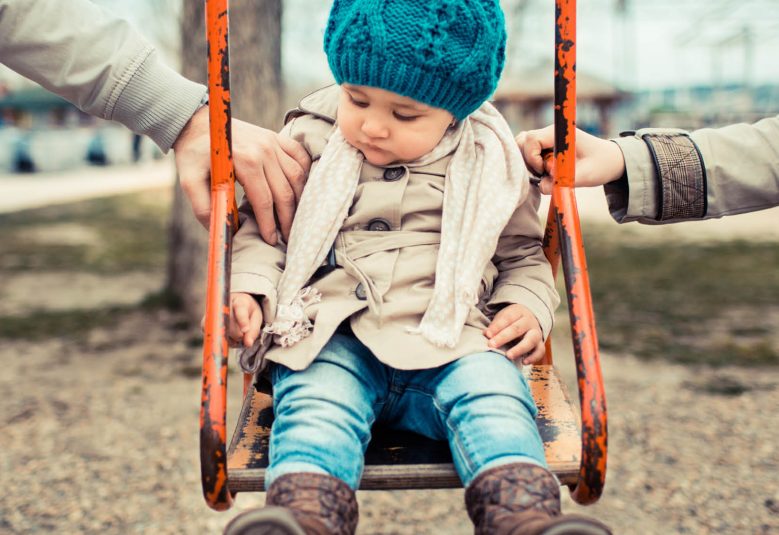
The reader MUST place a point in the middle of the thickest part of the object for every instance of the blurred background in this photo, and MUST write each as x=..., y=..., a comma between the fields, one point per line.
x=101, y=280
x=661, y=63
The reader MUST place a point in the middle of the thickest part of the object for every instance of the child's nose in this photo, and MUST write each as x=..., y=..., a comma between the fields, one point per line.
x=374, y=128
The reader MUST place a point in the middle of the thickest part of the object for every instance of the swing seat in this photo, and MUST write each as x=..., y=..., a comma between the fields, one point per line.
x=404, y=460
x=575, y=441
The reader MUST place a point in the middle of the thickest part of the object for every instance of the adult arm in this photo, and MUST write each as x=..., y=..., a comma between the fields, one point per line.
x=657, y=176
x=673, y=176
x=101, y=64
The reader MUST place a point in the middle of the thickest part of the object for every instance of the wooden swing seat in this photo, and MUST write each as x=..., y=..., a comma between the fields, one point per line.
x=402, y=460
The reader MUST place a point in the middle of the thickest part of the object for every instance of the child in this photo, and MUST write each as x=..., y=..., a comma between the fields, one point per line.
x=413, y=278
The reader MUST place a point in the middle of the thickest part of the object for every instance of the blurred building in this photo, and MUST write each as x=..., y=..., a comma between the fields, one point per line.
x=41, y=132
x=526, y=100
x=702, y=105
x=35, y=107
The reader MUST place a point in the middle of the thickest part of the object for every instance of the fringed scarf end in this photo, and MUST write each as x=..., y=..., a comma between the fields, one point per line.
x=292, y=324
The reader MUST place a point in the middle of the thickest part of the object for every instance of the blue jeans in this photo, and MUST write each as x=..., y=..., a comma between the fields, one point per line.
x=480, y=404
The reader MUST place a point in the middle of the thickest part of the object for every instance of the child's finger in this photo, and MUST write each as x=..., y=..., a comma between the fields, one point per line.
x=502, y=319
x=241, y=313
x=255, y=324
x=528, y=343
x=536, y=356
x=513, y=331
x=235, y=330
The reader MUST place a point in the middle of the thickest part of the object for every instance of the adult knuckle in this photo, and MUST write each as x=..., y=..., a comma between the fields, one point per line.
x=285, y=196
x=263, y=202
x=266, y=152
x=296, y=175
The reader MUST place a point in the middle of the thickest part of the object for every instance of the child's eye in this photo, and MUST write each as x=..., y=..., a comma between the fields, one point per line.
x=358, y=103
x=401, y=117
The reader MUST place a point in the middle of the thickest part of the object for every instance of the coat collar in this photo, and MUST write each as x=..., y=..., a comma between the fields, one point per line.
x=322, y=103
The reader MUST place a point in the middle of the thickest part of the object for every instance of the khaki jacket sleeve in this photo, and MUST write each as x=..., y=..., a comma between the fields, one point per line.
x=674, y=176
x=98, y=62
x=524, y=274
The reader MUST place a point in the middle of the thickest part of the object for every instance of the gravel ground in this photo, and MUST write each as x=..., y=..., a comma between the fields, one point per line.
x=100, y=436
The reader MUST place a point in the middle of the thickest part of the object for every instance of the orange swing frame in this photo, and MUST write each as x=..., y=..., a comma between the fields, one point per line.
x=583, y=471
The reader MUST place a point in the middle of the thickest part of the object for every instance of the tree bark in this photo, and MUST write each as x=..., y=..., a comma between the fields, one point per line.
x=255, y=90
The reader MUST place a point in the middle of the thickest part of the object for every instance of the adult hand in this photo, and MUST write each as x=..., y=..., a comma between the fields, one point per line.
x=271, y=168
x=598, y=161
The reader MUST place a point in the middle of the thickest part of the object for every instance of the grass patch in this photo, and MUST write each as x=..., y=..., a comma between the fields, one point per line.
x=72, y=324
x=76, y=323
x=715, y=303
x=113, y=235
x=121, y=233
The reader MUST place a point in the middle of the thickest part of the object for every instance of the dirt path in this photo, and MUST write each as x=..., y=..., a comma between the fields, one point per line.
x=44, y=189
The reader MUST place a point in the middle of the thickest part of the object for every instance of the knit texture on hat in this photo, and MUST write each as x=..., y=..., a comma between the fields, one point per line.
x=446, y=53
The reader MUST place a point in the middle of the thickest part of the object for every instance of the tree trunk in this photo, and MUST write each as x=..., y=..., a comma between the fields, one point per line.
x=255, y=87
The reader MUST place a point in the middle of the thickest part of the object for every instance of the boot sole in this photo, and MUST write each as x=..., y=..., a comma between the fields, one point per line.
x=265, y=521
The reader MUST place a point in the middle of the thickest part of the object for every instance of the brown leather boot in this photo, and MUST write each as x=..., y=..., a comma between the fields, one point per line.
x=522, y=499
x=301, y=504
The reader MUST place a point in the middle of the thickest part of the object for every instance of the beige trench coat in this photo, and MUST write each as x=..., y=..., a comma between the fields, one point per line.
x=386, y=254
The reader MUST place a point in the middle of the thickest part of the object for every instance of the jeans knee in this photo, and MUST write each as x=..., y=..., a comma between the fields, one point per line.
x=487, y=379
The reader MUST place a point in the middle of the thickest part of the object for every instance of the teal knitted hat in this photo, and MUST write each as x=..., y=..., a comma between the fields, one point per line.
x=446, y=53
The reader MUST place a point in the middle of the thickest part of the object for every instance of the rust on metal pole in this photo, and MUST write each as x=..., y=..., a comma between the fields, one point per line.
x=552, y=253
x=592, y=472
x=213, y=428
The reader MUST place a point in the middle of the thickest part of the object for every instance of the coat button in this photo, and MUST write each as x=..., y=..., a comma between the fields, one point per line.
x=394, y=173
x=359, y=291
x=379, y=225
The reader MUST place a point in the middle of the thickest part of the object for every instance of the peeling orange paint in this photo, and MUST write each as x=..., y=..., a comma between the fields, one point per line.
x=224, y=219
x=568, y=237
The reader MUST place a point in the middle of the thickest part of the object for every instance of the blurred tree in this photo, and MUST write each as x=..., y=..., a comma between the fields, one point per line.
x=255, y=84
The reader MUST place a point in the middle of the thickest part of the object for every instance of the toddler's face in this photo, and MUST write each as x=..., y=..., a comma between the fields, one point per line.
x=387, y=127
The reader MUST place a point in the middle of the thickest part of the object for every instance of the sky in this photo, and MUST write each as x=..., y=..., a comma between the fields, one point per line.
x=651, y=44
x=636, y=44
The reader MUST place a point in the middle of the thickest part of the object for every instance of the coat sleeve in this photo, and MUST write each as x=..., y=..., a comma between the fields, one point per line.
x=98, y=62
x=524, y=274
x=673, y=176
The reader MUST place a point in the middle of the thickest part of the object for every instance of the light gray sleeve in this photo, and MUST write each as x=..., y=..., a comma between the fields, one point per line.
x=99, y=63
x=674, y=176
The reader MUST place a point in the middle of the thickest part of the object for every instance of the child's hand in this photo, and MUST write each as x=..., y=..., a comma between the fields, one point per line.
x=516, y=322
x=245, y=319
